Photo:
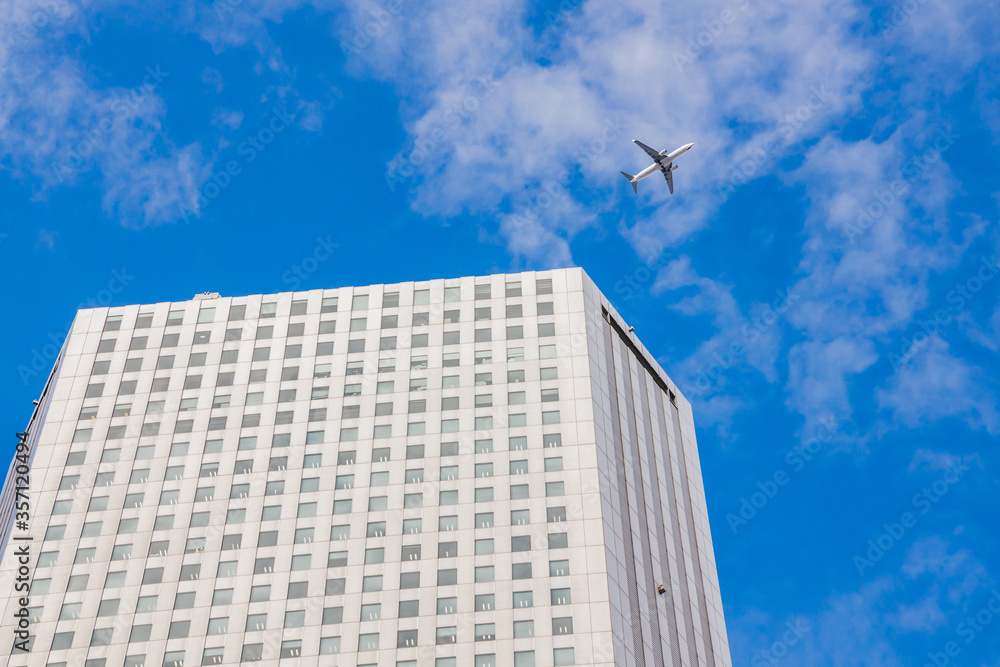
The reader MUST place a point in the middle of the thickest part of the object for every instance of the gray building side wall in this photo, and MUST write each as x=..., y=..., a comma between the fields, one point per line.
x=656, y=524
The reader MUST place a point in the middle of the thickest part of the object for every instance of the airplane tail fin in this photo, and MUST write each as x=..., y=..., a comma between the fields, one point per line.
x=631, y=179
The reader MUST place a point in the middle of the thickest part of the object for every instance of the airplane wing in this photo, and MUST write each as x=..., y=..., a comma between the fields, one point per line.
x=649, y=151
x=669, y=175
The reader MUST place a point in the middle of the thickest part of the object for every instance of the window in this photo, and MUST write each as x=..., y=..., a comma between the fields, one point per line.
x=446, y=635
x=556, y=514
x=291, y=648
x=371, y=612
x=409, y=580
x=446, y=605
x=485, y=632
x=562, y=626
x=329, y=645
x=545, y=308
x=489, y=660
x=212, y=656
x=408, y=608
x=85, y=555
x=113, y=323
x=484, y=546
x=178, y=629
x=368, y=642
x=552, y=440
x=263, y=593
x=329, y=305
x=252, y=652
x=47, y=558
x=447, y=549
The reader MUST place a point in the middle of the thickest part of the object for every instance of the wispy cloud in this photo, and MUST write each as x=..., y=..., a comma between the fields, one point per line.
x=58, y=125
x=864, y=627
x=937, y=384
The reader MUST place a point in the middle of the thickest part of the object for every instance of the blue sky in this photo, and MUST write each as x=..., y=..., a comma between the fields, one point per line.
x=841, y=196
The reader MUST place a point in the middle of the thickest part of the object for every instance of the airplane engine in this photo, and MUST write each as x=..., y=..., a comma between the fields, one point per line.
x=674, y=167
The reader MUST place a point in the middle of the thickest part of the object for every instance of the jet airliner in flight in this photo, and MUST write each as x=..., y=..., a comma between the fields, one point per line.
x=662, y=161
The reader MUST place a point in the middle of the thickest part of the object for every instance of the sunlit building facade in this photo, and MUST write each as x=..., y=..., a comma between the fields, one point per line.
x=478, y=472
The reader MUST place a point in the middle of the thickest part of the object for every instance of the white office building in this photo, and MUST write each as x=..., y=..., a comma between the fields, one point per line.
x=478, y=472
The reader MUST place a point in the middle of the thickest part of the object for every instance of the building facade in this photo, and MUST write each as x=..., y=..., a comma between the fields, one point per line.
x=478, y=472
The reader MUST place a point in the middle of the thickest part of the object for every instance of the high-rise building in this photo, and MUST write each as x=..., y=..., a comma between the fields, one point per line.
x=475, y=472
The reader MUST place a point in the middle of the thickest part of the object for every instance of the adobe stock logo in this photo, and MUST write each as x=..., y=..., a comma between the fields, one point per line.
x=968, y=630
x=882, y=200
x=248, y=150
x=894, y=532
x=750, y=333
x=301, y=271
x=796, y=458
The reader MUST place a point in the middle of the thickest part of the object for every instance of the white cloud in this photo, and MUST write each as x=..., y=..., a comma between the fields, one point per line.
x=861, y=628
x=818, y=376
x=617, y=67
x=988, y=335
x=213, y=77
x=227, y=118
x=934, y=384
x=750, y=84
x=931, y=460
x=57, y=126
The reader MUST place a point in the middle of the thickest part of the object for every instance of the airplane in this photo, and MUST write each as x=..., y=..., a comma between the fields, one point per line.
x=662, y=161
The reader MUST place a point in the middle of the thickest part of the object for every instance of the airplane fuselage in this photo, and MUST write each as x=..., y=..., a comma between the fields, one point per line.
x=666, y=162
x=663, y=162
